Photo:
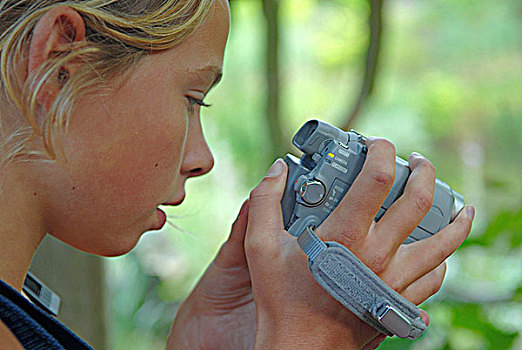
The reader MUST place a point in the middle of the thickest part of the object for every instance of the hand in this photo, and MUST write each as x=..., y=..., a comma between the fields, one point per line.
x=295, y=312
x=220, y=311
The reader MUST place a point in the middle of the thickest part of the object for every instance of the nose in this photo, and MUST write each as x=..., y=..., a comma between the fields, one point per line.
x=198, y=159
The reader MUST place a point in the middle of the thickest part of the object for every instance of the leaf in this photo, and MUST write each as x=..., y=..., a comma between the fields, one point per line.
x=396, y=344
x=518, y=294
x=496, y=183
x=471, y=316
x=506, y=225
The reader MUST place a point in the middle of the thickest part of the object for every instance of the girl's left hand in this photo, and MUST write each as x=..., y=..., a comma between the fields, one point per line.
x=220, y=312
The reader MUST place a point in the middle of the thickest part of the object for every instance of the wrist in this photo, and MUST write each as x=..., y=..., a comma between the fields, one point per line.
x=179, y=336
x=297, y=331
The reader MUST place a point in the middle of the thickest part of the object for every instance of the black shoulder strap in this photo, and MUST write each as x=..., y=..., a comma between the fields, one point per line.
x=33, y=328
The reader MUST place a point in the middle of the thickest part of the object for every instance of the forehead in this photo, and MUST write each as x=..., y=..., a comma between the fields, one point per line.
x=202, y=52
x=198, y=58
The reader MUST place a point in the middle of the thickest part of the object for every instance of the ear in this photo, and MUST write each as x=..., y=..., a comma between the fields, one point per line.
x=53, y=34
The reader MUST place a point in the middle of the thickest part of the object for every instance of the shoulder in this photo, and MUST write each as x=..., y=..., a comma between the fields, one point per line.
x=7, y=340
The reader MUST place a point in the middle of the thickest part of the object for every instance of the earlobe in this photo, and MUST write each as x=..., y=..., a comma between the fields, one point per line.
x=53, y=35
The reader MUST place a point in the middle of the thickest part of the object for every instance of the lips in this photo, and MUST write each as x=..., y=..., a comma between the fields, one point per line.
x=160, y=214
x=175, y=202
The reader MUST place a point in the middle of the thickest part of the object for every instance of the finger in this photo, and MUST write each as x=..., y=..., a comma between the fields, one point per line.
x=419, y=258
x=232, y=253
x=265, y=207
x=426, y=286
x=237, y=233
x=425, y=317
x=410, y=209
x=352, y=218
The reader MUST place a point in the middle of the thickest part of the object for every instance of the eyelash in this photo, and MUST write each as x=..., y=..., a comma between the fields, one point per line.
x=194, y=101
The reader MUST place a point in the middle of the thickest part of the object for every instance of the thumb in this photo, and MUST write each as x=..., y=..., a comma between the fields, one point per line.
x=265, y=199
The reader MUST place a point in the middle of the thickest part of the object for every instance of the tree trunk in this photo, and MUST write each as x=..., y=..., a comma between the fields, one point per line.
x=272, y=110
x=371, y=62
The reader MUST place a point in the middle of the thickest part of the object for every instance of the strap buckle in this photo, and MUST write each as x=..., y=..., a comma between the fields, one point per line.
x=394, y=321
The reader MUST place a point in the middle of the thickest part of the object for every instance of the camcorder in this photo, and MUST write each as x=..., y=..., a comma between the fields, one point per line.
x=317, y=182
x=331, y=160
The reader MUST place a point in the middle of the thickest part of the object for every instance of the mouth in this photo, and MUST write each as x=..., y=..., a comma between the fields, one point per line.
x=175, y=202
x=160, y=214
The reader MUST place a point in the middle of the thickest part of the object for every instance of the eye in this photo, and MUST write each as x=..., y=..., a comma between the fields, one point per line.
x=194, y=101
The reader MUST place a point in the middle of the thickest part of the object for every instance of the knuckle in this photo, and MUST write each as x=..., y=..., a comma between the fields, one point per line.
x=377, y=262
x=383, y=177
x=262, y=191
x=253, y=250
x=347, y=231
x=348, y=238
x=444, y=251
x=397, y=283
x=423, y=200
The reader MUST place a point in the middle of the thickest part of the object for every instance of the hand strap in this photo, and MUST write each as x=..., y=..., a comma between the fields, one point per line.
x=359, y=289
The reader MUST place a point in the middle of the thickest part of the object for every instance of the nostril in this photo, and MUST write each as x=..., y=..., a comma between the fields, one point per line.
x=197, y=166
x=196, y=172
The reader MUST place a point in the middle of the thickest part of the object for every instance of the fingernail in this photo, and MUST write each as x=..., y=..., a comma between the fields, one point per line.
x=276, y=169
x=470, y=211
x=415, y=154
x=425, y=317
x=370, y=140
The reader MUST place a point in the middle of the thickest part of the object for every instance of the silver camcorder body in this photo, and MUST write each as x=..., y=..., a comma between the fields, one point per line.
x=331, y=160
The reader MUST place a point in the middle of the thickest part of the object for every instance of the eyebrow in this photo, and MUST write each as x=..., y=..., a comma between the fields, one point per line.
x=214, y=70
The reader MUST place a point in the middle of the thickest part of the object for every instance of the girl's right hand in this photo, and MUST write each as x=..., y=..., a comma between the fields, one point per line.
x=292, y=310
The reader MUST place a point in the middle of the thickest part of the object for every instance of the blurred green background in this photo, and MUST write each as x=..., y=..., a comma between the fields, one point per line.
x=447, y=83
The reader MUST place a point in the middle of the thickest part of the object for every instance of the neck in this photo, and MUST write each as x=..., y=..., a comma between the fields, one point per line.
x=21, y=227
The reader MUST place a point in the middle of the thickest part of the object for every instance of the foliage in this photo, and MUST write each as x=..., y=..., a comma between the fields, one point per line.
x=465, y=320
x=448, y=87
x=505, y=227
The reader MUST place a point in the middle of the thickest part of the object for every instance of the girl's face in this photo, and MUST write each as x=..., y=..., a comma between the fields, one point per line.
x=132, y=146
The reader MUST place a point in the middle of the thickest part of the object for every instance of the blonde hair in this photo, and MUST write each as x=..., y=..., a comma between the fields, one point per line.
x=118, y=34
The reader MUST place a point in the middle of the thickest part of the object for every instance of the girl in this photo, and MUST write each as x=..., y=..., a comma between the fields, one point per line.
x=100, y=124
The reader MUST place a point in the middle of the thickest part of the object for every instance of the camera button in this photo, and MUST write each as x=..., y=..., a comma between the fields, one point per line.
x=312, y=192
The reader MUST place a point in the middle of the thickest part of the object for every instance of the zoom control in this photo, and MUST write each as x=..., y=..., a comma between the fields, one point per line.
x=312, y=192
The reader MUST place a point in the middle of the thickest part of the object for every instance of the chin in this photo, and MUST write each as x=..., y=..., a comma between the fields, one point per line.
x=112, y=253
x=117, y=246
x=114, y=250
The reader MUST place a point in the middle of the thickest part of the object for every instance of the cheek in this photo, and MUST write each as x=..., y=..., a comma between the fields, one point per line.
x=129, y=160
x=143, y=163
x=106, y=195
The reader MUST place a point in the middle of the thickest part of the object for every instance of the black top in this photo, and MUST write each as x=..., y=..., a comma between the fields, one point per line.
x=34, y=328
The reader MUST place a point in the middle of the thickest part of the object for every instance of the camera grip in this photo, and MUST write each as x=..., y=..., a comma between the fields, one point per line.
x=359, y=289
